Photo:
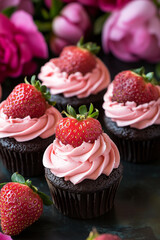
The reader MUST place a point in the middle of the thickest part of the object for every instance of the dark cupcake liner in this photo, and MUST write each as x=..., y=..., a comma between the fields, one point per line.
x=24, y=157
x=135, y=145
x=27, y=164
x=83, y=205
x=141, y=151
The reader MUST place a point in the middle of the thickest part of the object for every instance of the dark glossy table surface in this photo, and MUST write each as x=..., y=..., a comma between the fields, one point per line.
x=136, y=214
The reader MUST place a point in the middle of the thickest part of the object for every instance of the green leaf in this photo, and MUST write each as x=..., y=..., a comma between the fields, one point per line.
x=2, y=184
x=44, y=26
x=45, y=198
x=149, y=76
x=157, y=70
x=55, y=8
x=99, y=22
x=33, y=80
x=139, y=71
x=9, y=11
x=95, y=114
x=80, y=42
x=17, y=178
x=43, y=90
x=82, y=109
x=91, y=108
x=45, y=14
x=71, y=111
x=90, y=46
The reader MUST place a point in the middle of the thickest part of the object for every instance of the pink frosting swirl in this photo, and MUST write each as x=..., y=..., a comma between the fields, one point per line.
x=129, y=114
x=88, y=161
x=75, y=84
x=29, y=128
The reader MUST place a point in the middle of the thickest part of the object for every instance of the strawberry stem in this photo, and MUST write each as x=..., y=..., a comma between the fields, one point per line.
x=83, y=113
x=91, y=47
x=93, y=234
x=20, y=179
x=148, y=78
x=42, y=88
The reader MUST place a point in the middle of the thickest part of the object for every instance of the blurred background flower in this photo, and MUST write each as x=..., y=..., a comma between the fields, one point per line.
x=128, y=29
x=72, y=23
x=4, y=237
x=133, y=32
x=26, y=5
x=20, y=42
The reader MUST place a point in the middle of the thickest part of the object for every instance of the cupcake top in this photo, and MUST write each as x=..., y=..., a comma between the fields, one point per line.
x=27, y=128
x=77, y=72
x=26, y=114
x=74, y=160
x=136, y=111
x=87, y=161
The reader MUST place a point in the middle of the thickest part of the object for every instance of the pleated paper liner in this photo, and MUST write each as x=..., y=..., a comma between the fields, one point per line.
x=24, y=157
x=134, y=145
x=85, y=205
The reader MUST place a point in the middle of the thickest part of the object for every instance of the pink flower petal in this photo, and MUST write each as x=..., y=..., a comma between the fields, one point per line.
x=35, y=39
x=9, y=27
x=23, y=21
x=8, y=3
x=135, y=11
x=4, y=237
x=66, y=30
x=57, y=44
x=75, y=13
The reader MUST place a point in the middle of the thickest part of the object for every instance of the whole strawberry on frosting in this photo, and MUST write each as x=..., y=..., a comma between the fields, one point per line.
x=21, y=204
x=78, y=58
x=78, y=128
x=27, y=100
x=94, y=235
x=136, y=86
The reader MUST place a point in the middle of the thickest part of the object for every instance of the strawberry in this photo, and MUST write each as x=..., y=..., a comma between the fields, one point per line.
x=27, y=100
x=78, y=128
x=94, y=235
x=134, y=86
x=78, y=58
x=21, y=204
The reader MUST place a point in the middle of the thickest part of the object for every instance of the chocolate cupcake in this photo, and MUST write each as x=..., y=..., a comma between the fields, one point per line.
x=82, y=172
x=77, y=77
x=26, y=129
x=87, y=199
x=132, y=116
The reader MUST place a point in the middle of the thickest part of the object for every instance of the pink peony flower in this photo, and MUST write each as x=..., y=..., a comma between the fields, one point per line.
x=111, y=5
x=25, y=5
x=105, y=5
x=68, y=28
x=4, y=237
x=20, y=42
x=131, y=34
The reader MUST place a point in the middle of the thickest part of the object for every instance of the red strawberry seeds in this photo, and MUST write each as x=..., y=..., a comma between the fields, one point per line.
x=77, y=58
x=21, y=208
x=75, y=131
x=27, y=100
x=130, y=86
x=21, y=204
